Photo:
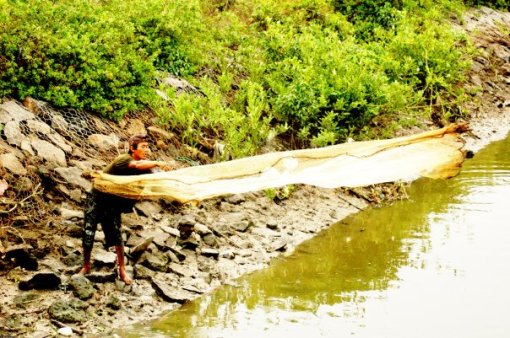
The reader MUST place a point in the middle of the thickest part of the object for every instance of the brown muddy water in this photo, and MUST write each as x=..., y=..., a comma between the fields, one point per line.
x=436, y=265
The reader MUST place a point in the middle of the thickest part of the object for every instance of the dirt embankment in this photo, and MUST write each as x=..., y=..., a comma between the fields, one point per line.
x=176, y=253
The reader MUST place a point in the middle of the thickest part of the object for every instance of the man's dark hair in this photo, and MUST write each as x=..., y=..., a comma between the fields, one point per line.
x=135, y=140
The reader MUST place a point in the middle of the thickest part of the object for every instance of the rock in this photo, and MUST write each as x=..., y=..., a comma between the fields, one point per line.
x=272, y=224
x=114, y=303
x=10, y=162
x=21, y=256
x=79, y=153
x=278, y=245
x=123, y=287
x=179, y=270
x=160, y=239
x=65, y=331
x=140, y=248
x=192, y=289
x=136, y=126
x=134, y=222
x=155, y=262
x=180, y=255
x=76, y=195
x=169, y=230
x=82, y=287
x=13, y=133
x=172, y=257
x=134, y=240
x=88, y=165
x=73, y=230
x=4, y=117
x=38, y=127
x=159, y=133
x=264, y=232
x=70, y=214
x=186, y=226
x=21, y=301
x=147, y=208
x=244, y=225
x=33, y=105
x=228, y=254
x=190, y=243
x=5, y=148
x=210, y=240
x=104, y=258
x=235, y=199
x=207, y=252
x=73, y=259
x=14, y=112
x=73, y=176
x=141, y=272
x=202, y=229
x=63, y=189
x=59, y=124
x=27, y=148
x=70, y=255
x=171, y=242
x=170, y=294
x=49, y=152
x=104, y=142
x=244, y=253
x=45, y=280
x=160, y=144
x=3, y=187
x=60, y=142
x=68, y=310
x=99, y=277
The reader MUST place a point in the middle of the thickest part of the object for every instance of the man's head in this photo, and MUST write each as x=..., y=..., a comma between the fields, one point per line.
x=139, y=147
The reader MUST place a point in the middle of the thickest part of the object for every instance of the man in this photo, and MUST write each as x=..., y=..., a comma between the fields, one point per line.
x=107, y=209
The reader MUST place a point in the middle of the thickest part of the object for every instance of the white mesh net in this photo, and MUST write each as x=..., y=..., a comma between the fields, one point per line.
x=435, y=154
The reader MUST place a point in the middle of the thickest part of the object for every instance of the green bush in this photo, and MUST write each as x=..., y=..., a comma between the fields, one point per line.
x=320, y=84
x=207, y=118
x=369, y=15
x=326, y=86
x=317, y=70
x=97, y=56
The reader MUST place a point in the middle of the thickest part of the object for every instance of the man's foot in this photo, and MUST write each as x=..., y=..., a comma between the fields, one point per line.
x=125, y=278
x=85, y=270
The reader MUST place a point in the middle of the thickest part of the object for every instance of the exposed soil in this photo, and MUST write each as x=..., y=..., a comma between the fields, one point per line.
x=176, y=253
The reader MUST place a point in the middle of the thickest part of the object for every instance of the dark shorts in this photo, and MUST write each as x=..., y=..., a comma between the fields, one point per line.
x=105, y=210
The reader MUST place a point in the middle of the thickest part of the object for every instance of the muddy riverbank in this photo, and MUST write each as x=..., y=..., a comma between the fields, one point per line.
x=176, y=253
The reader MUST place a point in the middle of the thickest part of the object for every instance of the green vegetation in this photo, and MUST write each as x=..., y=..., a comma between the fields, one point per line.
x=313, y=71
x=280, y=194
x=90, y=55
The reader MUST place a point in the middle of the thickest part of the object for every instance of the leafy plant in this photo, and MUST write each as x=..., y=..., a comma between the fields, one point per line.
x=313, y=71
x=280, y=194
x=100, y=57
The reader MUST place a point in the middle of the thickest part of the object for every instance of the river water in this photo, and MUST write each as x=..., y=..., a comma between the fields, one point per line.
x=436, y=265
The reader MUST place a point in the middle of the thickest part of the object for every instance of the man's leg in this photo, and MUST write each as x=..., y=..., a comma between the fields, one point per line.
x=86, y=261
x=89, y=232
x=113, y=237
x=122, y=267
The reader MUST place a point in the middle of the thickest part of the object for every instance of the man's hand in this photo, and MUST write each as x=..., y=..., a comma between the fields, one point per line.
x=167, y=166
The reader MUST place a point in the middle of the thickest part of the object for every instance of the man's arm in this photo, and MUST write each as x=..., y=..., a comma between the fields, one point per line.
x=146, y=165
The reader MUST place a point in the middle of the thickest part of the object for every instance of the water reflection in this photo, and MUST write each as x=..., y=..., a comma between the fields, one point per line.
x=435, y=265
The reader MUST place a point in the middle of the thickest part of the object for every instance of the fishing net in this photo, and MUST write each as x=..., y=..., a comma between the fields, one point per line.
x=434, y=154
